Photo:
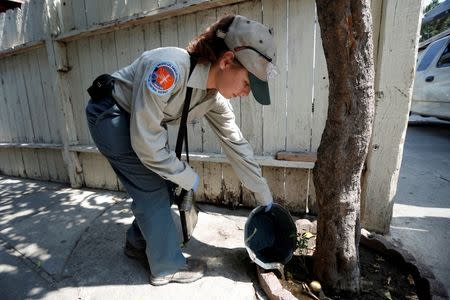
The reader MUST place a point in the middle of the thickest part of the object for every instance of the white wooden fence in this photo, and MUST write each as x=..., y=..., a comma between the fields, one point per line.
x=51, y=50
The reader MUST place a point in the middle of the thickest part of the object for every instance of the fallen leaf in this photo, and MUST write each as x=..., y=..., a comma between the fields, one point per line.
x=410, y=279
x=387, y=295
x=307, y=235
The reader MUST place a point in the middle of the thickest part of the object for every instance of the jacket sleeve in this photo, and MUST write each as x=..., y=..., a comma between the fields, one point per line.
x=238, y=151
x=149, y=138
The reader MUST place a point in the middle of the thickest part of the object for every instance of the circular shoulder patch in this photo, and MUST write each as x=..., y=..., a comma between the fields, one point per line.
x=163, y=78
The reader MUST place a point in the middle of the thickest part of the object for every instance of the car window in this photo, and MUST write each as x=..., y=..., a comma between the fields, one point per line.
x=430, y=54
x=444, y=60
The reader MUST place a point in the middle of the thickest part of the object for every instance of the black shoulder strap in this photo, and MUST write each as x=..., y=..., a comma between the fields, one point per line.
x=182, y=131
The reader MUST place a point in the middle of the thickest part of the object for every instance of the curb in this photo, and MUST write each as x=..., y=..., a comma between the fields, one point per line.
x=428, y=287
x=272, y=286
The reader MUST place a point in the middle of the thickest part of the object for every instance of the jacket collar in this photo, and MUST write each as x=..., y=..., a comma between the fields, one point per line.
x=199, y=76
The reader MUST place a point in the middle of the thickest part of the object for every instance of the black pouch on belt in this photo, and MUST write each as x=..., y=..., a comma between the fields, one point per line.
x=101, y=87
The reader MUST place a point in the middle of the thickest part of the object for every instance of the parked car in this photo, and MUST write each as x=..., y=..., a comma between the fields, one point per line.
x=431, y=93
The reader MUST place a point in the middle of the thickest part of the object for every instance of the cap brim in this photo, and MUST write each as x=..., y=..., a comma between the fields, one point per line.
x=260, y=89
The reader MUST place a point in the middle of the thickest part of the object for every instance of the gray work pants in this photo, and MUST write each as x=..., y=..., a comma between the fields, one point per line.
x=153, y=227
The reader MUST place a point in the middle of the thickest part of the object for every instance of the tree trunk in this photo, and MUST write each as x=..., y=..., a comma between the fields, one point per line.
x=346, y=29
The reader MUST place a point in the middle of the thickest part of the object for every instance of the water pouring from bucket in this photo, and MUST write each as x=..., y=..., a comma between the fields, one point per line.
x=270, y=237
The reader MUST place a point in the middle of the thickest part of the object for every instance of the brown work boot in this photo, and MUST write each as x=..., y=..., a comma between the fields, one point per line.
x=192, y=271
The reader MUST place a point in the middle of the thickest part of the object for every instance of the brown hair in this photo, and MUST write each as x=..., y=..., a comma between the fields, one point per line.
x=207, y=46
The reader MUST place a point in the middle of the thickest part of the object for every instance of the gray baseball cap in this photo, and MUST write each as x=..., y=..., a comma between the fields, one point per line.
x=253, y=46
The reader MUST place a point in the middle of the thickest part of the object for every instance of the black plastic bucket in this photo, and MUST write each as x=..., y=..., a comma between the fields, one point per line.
x=270, y=237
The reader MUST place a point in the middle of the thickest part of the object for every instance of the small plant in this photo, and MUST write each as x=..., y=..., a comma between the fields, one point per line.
x=302, y=242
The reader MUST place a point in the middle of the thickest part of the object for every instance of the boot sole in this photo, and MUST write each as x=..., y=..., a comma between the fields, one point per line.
x=159, y=282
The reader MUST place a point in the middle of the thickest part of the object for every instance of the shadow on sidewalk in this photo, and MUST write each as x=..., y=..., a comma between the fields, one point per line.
x=75, y=238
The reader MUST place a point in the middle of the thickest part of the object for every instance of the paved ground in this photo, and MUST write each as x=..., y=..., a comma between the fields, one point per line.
x=62, y=243
x=421, y=217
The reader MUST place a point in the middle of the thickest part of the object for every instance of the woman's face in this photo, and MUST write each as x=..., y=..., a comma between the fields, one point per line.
x=232, y=78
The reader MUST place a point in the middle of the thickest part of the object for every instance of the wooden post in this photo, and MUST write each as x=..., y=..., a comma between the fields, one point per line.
x=57, y=59
x=58, y=66
x=395, y=69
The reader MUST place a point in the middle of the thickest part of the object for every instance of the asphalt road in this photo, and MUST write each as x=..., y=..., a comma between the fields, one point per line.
x=421, y=216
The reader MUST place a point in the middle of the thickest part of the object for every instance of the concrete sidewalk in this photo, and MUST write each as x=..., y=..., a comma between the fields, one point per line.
x=62, y=243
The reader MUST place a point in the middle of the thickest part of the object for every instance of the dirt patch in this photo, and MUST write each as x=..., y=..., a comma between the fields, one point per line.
x=381, y=278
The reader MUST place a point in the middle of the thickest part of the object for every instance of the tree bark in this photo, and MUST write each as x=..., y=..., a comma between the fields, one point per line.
x=346, y=30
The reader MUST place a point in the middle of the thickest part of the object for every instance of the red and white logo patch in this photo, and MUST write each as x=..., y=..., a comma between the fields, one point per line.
x=163, y=78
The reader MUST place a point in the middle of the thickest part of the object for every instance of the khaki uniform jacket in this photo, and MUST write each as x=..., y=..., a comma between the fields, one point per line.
x=152, y=104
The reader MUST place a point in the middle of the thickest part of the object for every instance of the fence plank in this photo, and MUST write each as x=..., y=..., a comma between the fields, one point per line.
x=149, y=5
x=6, y=161
x=57, y=167
x=32, y=15
x=152, y=36
x=96, y=54
x=37, y=111
x=19, y=33
x=61, y=170
x=231, y=187
x=2, y=25
x=376, y=8
x=57, y=58
x=136, y=48
x=212, y=181
x=274, y=115
x=79, y=14
x=105, y=10
x=65, y=14
x=97, y=171
x=166, y=3
x=122, y=41
x=301, y=74
x=47, y=112
x=8, y=30
x=118, y=9
x=23, y=164
x=300, y=94
x=76, y=91
x=108, y=49
x=275, y=15
x=133, y=7
x=395, y=71
x=87, y=75
x=26, y=34
x=92, y=12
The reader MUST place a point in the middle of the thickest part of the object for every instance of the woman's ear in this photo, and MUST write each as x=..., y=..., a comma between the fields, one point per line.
x=226, y=60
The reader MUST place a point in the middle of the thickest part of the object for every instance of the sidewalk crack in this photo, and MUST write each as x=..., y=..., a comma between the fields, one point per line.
x=61, y=276
x=11, y=250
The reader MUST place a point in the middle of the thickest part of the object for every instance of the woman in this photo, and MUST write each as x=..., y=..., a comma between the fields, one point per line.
x=127, y=119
